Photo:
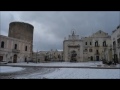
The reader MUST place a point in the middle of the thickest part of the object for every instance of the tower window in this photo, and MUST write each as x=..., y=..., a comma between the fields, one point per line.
x=85, y=43
x=2, y=44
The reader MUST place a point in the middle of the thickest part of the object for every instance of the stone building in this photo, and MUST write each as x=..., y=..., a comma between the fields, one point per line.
x=115, y=37
x=17, y=47
x=45, y=56
x=94, y=46
x=73, y=48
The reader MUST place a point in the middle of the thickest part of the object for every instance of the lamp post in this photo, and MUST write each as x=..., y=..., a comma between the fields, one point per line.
x=36, y=56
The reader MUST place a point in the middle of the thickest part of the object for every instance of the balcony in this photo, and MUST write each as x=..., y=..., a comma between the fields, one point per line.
x=72, y=45
x=96, y=45
x=15, y=51
x=105, y=45
x=97, y=53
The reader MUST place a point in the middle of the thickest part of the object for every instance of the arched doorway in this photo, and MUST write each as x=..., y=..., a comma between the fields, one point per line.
x=91, y=58
x=73, y=56
x=97, y=58
x=15, y=59
x=1, y=58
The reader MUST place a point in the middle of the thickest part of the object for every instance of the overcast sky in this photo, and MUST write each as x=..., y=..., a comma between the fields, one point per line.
x=50, y=27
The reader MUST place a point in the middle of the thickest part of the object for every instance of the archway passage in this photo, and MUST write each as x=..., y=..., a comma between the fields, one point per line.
x=97, y=58
x=1, y=58
x=15, y=59
x=91, y=58
x=73, y=56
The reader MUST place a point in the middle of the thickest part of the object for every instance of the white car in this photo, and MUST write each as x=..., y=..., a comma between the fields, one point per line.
x=3, y=62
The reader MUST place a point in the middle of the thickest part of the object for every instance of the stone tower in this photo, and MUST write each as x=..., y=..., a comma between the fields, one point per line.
x=21, y=30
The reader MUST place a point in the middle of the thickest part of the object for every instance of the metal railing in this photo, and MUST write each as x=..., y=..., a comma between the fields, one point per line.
x=15, y=51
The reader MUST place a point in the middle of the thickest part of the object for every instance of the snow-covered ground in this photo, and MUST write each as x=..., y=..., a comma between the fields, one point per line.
x=64, y=73
x=69, y=64
x=76, y=73
x=9, y=69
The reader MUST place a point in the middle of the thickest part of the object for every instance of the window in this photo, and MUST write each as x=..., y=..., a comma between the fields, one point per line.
x=85, y=43
x=90, y=43
x=114, y=44
x=85, y=50
x=97, y=52
x=96, y=43
x=104, y=43
x=2, y=44
x=25, y=48
x=91, y=58
x=15, y=46
x=90, y=50
x=118, y=40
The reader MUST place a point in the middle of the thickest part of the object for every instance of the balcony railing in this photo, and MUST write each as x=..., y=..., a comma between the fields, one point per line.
x=15, y=51
x=71, y=45
x=105, y=45
x=96, y=45
x=97, y=53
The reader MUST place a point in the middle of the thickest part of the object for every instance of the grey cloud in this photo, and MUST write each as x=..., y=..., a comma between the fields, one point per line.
x=51, y=27
x=5, y=19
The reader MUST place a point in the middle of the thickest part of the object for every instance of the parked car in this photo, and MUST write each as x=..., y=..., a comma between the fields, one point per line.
x=3, y=62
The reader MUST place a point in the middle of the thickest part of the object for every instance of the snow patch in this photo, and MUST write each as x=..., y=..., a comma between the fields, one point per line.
x=9, y=69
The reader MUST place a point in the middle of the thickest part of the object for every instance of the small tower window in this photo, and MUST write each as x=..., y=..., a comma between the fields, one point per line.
x=2, y=44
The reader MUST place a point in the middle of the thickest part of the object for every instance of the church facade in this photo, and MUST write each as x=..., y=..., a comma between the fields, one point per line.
x=92, y=48
x=73, y=48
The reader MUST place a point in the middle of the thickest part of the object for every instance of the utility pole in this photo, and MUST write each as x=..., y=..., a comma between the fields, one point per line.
x=36, y=56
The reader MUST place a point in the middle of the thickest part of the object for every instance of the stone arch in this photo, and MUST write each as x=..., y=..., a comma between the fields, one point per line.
x=15, y=58
x=73, y=56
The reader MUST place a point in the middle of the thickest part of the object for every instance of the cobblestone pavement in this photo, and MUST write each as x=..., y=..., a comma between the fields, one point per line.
x=27, y=71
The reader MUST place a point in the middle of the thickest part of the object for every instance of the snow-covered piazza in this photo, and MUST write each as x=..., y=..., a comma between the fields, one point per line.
x=60, y=70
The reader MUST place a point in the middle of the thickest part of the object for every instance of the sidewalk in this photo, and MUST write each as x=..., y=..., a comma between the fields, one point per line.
x=97, y=65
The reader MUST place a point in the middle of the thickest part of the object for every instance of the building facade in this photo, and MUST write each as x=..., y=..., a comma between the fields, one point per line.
x=92, y=48
x=115, y=37
x=95, y=46
x=45, y=56
x=14, y=50
x=18, y=45
x=73, y=49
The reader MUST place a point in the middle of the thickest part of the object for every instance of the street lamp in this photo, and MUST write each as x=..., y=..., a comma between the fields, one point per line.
x=36, y=56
